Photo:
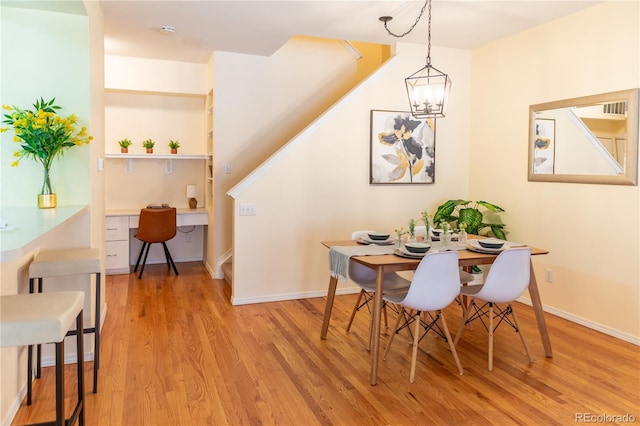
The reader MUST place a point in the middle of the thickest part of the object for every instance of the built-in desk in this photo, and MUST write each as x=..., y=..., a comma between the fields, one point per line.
x=120, y=244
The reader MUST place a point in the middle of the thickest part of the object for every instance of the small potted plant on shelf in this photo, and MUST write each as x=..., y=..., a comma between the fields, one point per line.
x=124, y=145
x=174, y=145
x=149, y=144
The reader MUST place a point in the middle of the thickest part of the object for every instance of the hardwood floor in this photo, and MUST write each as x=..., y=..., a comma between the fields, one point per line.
x=175, y=352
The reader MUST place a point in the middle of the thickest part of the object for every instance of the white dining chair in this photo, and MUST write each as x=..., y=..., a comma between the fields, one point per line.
x=435, y=284
x=365, y=278
x=506, y=281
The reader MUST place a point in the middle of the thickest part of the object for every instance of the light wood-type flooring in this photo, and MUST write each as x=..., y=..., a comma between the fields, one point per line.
x=176, y=352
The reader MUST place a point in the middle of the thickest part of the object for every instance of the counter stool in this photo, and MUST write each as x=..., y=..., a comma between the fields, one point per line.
x=30, y=319
x=57, y=263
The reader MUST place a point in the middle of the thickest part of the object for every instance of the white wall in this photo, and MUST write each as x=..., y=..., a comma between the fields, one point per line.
x=592, y=231
x=320, y=190
x=260, y=103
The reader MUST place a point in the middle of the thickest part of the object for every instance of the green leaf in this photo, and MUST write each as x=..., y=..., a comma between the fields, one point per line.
x=491, y=207
x=470, y=217
x=444, y=212
x=498, y=232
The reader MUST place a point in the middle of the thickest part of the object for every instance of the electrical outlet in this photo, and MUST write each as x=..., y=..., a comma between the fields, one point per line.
x=247, y=209
x=187, y=238
x=549, y=275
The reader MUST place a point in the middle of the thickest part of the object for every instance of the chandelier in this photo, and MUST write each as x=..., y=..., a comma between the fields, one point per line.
x=428, y=88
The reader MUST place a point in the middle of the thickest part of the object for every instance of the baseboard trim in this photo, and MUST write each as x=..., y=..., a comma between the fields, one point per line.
x=587, y=323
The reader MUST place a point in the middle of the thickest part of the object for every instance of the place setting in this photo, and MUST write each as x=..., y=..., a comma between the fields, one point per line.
x=378, y=238
x=490, y=245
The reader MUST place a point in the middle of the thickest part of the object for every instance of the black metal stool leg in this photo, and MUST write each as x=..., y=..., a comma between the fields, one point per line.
x=60, y=420
x=96, y=347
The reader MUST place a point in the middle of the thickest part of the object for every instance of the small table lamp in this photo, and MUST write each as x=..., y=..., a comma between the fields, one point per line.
x=191, y=195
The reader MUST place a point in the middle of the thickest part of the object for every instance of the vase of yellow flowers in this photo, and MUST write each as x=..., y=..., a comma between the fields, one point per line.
x=43, y=135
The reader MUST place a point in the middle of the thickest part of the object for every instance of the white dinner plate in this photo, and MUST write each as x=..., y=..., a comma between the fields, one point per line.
x=474, y=245
x=367, y=240
x=403, y=252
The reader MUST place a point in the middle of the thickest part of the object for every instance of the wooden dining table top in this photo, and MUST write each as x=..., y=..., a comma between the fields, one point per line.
x=394, y=262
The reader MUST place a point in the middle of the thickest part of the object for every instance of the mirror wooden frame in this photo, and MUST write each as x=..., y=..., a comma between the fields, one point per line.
x=630, y=175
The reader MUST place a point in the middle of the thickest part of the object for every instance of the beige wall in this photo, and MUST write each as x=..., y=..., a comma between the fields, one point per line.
x=320, y=189
x=148, y=98
x=592, y=231
x=260, y=103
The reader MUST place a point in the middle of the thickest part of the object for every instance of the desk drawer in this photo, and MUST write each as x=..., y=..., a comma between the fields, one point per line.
x=116, y=228
x=116, y=255
x=192, y=219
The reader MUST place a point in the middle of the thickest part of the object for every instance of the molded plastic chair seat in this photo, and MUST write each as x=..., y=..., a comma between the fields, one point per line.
x=506, y=281
x=64, y=262
x=156, y=226
x=435, y=284
x=365, y=278
x=33, y=319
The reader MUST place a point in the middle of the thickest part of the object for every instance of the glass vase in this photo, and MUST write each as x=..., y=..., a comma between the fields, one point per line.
x=47, y=199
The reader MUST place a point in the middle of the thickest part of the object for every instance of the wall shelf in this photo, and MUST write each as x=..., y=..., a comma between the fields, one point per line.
x=169, y=158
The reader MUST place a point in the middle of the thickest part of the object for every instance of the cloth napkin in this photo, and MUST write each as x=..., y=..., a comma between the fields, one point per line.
x=339, y=257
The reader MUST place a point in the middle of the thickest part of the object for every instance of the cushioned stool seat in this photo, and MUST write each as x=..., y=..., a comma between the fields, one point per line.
x=32, y=319
x=75, y=261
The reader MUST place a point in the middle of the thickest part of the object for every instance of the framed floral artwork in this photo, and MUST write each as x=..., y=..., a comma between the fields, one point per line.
x=402, y=148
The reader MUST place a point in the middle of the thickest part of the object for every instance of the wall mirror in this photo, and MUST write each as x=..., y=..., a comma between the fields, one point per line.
x=592, y=139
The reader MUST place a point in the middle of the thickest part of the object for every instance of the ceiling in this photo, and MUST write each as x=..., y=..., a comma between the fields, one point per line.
x=261, y=27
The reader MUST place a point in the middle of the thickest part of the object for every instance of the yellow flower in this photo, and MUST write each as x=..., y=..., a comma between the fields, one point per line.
x=7, y=107
x=16, y=154
x=14, y=164
x=17, y=139
x=3, y=129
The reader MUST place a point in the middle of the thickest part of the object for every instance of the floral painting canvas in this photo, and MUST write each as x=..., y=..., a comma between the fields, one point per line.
x=402, y=148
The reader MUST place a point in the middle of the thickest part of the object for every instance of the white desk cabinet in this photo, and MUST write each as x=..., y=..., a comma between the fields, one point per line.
x=117, y=244
x=120, y=245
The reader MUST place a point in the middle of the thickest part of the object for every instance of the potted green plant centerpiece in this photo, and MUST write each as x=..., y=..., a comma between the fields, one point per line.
x=458, y=212
x=124, y=145
x=43, y=135
x=464, y=214
x=174, y=145
x=148, y=144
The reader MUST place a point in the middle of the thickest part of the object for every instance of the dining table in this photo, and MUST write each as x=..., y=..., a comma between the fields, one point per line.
x=384, y=263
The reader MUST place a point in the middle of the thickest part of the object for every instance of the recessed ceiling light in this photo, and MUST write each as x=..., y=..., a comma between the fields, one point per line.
x=167, y=29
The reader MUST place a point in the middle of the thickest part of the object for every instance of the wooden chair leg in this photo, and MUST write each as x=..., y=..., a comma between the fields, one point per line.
x=465, y=317
x=451, y=345
x=490, y=336
x=395, y=330
x=416, y=339
x=519, y=331
x=355, y=309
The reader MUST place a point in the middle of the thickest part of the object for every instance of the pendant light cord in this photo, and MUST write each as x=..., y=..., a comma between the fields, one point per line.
x=424, y=6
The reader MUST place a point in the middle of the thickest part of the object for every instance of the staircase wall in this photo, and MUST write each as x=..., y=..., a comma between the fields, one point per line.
x=261, y=103
x=317, y=187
